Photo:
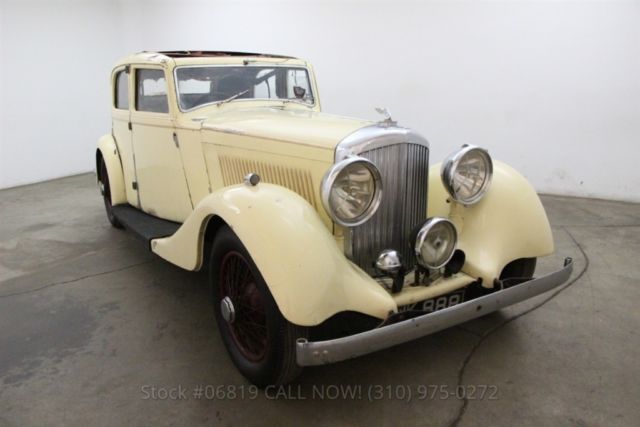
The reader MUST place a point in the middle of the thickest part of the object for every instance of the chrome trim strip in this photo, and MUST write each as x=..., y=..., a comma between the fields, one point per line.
x=323, y=352
x=376, y=136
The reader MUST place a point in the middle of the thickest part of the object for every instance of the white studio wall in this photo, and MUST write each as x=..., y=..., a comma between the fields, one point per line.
x=550, y=87
x=55, y=58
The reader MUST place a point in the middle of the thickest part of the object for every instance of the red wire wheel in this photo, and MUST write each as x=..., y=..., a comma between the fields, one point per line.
x=249, y=325
x=259, y=340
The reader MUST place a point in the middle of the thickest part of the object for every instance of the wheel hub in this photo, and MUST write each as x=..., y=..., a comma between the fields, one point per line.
x=227, y=310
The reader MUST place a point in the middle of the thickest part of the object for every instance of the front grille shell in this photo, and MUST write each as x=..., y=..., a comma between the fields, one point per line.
x=402, y=156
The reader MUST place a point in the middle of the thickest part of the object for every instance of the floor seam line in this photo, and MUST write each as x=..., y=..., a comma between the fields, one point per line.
x=467, y=359
x=66, y=282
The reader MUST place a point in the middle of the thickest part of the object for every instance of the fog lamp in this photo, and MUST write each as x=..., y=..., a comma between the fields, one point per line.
x=435, y=243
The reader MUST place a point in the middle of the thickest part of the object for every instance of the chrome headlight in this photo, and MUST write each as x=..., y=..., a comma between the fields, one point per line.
x=436, y=242
x=351, y=191
x=466, y=174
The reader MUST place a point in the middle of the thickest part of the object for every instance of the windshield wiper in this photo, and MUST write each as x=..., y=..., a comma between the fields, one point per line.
x=232, y=97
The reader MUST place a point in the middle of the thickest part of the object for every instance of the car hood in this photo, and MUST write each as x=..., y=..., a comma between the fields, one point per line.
x=309, y=128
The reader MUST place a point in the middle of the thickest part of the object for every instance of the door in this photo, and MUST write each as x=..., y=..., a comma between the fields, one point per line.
x=121, y=117
x=161, y=182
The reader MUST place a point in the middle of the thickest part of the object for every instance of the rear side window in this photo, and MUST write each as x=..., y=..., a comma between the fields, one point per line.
x=122, y=90
x=151, y=91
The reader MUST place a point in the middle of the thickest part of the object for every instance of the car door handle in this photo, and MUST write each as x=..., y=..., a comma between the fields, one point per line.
x=175, y=140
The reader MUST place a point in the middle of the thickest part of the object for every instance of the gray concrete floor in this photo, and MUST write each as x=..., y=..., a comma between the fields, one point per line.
x=90, y=322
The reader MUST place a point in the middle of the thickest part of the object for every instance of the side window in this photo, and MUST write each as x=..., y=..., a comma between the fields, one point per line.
x=151, y=91
x=121, y=100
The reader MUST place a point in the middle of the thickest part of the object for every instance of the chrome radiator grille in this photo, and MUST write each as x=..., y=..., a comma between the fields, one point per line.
x=405, y=173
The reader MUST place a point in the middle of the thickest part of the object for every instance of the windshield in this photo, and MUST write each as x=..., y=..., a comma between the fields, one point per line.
x=199, y=85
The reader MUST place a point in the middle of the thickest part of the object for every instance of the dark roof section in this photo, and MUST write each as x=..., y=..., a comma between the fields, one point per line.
x=209, y=53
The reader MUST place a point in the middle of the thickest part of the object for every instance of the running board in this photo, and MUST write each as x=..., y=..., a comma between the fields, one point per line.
x=142, y=225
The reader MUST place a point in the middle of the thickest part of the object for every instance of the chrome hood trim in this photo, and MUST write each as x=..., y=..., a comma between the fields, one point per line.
x=375, y=136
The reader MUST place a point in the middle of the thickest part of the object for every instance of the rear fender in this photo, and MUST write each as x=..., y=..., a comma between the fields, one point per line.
x=109, y=151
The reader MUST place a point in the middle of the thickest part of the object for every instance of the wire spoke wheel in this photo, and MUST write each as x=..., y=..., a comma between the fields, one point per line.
x=249, y=327
x=260, y=341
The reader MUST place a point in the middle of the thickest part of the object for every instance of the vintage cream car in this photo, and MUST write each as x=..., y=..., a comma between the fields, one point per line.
x=324, y=237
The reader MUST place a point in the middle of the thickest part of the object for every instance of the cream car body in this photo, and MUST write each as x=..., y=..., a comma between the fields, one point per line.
x=187, y=166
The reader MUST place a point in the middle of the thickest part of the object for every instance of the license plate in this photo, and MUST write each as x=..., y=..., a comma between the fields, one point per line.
x=437, y=303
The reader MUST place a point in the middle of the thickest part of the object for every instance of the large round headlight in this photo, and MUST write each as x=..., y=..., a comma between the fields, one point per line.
x=351, y=191
x=436, y=242
x=466, y=174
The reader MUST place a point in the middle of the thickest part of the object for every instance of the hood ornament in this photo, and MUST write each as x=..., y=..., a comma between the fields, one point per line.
x=387, y=121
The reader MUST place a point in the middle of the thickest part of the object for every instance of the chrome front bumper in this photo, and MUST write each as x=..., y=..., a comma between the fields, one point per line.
x=323, y=352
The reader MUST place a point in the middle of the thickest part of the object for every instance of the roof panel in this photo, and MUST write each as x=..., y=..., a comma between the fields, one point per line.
x=209, y=53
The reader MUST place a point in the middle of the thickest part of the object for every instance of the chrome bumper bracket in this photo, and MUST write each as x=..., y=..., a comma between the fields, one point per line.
x=323, y=352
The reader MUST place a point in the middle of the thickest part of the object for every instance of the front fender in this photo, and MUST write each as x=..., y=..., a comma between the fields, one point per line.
x=109, y=151
x=307, y=273
x=508, y=223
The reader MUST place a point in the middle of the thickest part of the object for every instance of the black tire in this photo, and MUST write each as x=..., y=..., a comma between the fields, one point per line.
x=521, y=268
x=260, y=341
x=103, y=182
